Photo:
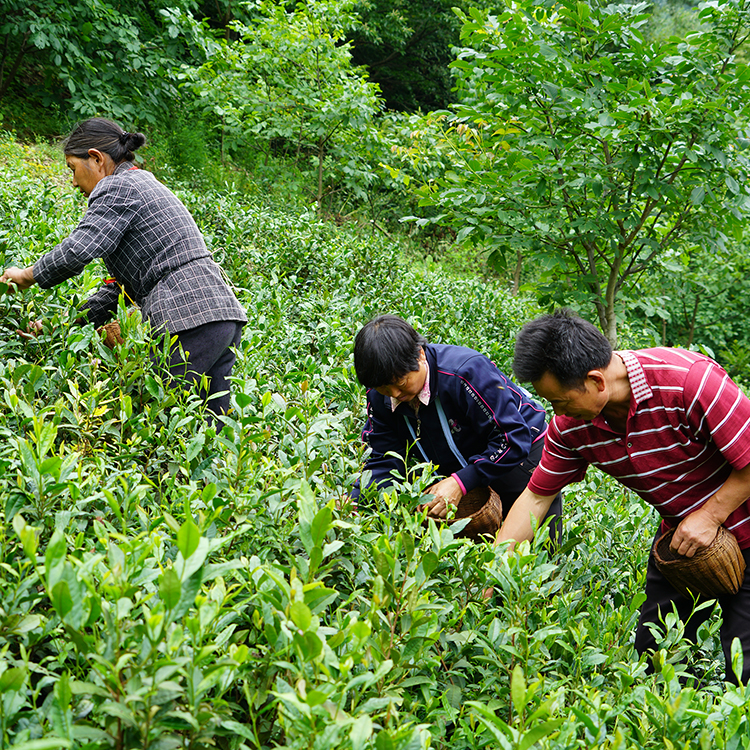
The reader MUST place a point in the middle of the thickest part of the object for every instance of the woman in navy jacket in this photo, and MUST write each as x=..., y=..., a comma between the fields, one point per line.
x=449, y=405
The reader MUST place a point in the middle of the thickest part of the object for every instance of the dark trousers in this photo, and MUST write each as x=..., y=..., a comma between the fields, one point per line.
x=660, y=596
x=206, y=350
x=514, y=483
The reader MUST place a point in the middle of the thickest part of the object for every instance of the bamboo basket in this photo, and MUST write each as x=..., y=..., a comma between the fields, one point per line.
x=112, y=334
x=716, y=570
x=483, y=506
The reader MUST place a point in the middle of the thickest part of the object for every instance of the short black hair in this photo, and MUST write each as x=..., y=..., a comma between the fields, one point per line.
x=385, y=350
x=105, y=136
x=562, y=344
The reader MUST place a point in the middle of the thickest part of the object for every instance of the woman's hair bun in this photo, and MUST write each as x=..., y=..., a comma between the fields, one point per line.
x=132, y=141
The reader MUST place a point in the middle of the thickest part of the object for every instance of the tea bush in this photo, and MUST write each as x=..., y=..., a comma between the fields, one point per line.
x=168, y=584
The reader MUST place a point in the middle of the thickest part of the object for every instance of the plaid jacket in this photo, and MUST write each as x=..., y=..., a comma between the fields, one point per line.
x=151, y=245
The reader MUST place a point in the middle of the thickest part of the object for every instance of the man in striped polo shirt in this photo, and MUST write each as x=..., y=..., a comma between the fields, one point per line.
x=667, y=423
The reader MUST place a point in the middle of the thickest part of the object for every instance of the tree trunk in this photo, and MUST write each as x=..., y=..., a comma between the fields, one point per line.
x=17, y=62
x=607, y=315
x=610, y=330
x=321, y=154
x=517, y=273
x=605, y=305
x=223, y=155
x=691, y=329
x=2, y=61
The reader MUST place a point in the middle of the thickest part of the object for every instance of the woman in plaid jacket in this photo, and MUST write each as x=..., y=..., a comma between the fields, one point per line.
x=154, y=251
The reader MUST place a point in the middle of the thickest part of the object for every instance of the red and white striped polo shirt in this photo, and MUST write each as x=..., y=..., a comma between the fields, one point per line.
x=688, y=426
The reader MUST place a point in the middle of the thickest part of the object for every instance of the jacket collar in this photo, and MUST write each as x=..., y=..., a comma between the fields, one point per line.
x=124, y=167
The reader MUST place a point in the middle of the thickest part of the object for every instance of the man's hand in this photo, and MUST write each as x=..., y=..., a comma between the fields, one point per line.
x=699, y=529
x=695, y=532
x=446, y=491
x=23, y=278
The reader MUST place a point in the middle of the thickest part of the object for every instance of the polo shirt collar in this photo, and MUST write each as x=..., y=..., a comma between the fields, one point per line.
x=639, y=387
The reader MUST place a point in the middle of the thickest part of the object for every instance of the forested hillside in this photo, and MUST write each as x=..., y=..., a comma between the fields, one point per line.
x=169, y=582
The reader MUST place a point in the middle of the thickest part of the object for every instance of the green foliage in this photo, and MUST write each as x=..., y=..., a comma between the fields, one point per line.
x=698, y=300
x=671, y=18
x=269, y=89
x=407, y=47
x=590, y=152
x=101, y=56
x=169, y=585
x=289, y=78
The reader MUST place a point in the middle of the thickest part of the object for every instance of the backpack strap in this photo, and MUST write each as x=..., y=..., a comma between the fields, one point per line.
x=415, y=439
x=447, y=433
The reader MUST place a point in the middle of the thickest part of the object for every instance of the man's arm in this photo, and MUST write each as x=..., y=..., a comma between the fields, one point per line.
x=699, y=529
x=717, y=411
x=517, y=525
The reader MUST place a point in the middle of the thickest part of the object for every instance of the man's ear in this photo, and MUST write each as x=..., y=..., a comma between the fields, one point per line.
x=597, y=377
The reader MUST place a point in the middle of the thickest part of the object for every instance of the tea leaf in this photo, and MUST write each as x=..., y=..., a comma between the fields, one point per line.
x=188, y=538
x=170, y=588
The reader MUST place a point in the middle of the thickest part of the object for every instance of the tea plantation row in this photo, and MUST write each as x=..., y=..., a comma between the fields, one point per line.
x=167, y=586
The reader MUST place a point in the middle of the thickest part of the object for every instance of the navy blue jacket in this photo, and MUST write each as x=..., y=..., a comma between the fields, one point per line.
x=492, y=420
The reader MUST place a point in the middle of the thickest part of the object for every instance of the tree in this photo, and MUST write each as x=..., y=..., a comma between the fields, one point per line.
x=591, y=152
x=407, y=47
x=698, y=299
x=101, y=56
x=289, y=77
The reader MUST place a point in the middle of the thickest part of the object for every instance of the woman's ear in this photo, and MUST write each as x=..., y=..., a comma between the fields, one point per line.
x=96, y=155
x=102, y=163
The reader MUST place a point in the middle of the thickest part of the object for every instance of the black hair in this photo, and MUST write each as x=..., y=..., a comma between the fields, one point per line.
x=562, y=344
x=105, y=136
x=385, y=350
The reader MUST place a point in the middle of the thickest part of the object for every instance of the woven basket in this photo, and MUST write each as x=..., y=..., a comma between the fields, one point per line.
x=713, y=571
x=483, y=506
x=112, y=335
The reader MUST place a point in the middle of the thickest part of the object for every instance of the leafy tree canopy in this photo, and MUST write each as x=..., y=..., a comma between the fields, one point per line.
x=101, y=55
x=591, y=151
x=289, y=77
x=407, y=48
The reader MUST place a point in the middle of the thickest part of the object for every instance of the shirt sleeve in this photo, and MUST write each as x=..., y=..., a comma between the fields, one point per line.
x=718, y=410
x=110, y=212
x=387, y=449
x=559, y=465
x=102, y=304
x=492, y=405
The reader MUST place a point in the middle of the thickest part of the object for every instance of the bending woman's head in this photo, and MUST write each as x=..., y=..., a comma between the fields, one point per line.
x=385, y=350
x=105, y=136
